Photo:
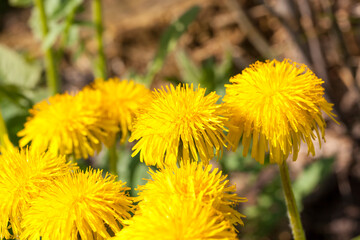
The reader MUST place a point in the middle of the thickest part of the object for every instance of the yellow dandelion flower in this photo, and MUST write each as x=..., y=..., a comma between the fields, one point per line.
x=68, y=124
x=178, y=220
x=23, y=175
x=83, y=204
x=277, y=105
x=179, y=121
x=121, y=100
x=193, y=181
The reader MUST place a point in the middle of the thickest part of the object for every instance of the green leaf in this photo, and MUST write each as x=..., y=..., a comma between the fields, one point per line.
x=133, y=75
x=73, y=37
x=14, y=94
x=210, y=75
x=14, y=117
x=14, y=104
x=83, y=23
x=79, y=50
x=15, y=70
x=188, y=69
x=34, y=20
x=14, y=125
x=51, y=37
x=56, y=10
x=38, y=94
x=52, y=6
x=20, y=3
x=168, y=42
x=269, y=210
x=223, y=72
x=64, y=9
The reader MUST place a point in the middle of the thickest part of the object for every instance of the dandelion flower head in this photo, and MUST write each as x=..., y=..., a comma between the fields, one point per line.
x=277, y=105
x=23, y=175
x=193, y=181
x=179, y=123
x=83, y=204
x=178, y=220
x=68, y=124
x=121, y=101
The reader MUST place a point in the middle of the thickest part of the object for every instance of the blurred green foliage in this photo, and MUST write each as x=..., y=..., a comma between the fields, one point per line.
x=61, y=22
x=21, y=87
x=210, y=74
x=167, y=44
x=269, y=210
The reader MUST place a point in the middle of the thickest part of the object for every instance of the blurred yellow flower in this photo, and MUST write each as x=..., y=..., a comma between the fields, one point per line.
x=276, y=105
x=23, y=175
x=81, y=204
x=179, y=123
x=121, y=100
x=192, y=181
x=69, y=124
x=176, y=219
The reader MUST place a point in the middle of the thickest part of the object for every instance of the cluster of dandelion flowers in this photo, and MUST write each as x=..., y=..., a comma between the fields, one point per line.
x=121, y=101
x=276, y=105
x=81, y=204
x=23, y=175
x=180, y=220
x=193, y=181
x=179, y=123
x=69, y=124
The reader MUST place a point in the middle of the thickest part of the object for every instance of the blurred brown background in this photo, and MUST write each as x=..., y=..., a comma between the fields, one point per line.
x=324, y=34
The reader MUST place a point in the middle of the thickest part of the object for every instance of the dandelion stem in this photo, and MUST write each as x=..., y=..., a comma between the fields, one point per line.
x=293, y=213
x=51, y=71
x=113, y=159
x=97, y=18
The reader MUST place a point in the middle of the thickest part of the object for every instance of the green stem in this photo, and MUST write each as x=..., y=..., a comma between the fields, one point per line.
x=292, y=209
x=113, y=159
x=97, y=18
x=3, y=131
x=51, y=71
